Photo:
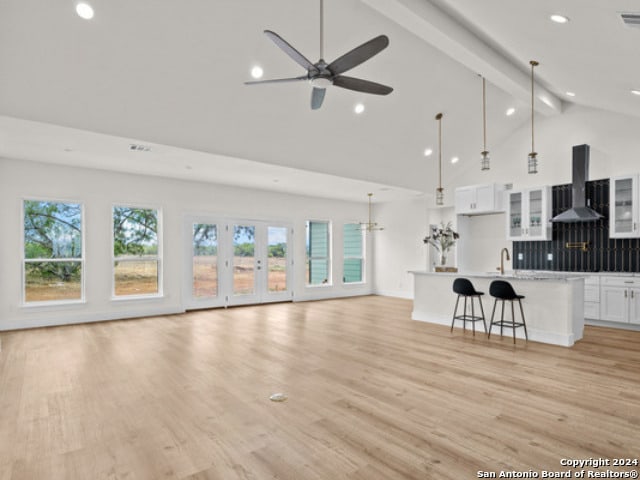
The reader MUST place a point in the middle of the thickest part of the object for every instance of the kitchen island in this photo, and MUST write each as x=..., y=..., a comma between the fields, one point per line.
x=553, y=304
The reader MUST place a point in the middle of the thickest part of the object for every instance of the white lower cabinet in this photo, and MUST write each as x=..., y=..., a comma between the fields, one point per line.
x=592, y=298
x=634, y=306
x=620, y=299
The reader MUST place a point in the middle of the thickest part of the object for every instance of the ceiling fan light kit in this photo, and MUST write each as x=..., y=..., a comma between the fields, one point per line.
x=322, y=74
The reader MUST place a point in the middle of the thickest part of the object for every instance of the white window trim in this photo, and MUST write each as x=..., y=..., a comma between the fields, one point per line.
x=24, y=261
x=159, y=257
x=329, y=257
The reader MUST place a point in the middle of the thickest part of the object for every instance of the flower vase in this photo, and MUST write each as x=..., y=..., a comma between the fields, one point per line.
x=443, y=258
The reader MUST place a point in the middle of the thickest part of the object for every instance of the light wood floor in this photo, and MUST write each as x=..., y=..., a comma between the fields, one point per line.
x=372, y=395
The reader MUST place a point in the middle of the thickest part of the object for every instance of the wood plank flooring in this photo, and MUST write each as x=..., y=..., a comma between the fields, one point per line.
x=372, y=395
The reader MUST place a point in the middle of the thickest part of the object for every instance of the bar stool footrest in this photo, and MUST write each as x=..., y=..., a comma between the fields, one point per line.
x=468, y=318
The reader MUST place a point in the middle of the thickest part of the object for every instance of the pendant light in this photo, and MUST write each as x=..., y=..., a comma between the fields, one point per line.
x=439, y=190
x=532, y=160
x=370, y=226
x=484, y=155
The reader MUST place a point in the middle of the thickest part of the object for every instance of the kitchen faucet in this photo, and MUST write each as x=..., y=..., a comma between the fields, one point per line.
x=501, y=267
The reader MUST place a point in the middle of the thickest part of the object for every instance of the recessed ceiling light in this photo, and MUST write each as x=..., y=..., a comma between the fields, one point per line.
x=510, y=111
x=635, y=92
x=559, y=18
x=454, y=160
x=359, y=108
x=84, y=10
x=571, y=94
x=428, y=152
x=257, y=72
x=546, y=101
x=188, y=167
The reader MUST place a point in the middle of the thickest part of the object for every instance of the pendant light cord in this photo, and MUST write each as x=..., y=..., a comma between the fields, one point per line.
x=439, y=118
x=533, y=64
x=484, y=114
x=321, y=28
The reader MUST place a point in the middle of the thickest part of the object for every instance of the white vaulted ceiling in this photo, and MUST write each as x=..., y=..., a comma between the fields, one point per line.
x=170, y=74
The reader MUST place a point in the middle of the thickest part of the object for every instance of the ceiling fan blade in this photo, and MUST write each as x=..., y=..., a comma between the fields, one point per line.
x=278, y=80
x=360, y=85
x=289, y=50
x=359, y=54
x=317, y=96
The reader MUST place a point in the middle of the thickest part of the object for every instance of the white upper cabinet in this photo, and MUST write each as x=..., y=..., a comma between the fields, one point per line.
x=623, y=207
x=479, y=199
x=528, y=214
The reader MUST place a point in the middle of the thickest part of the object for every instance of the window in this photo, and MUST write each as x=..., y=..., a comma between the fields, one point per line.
x=318, y=253
x=205, y=260
x=136, y=251
x=53, y=253
x=353, y=252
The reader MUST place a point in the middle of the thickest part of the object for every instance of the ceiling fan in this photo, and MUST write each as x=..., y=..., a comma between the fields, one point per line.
x=322, y=74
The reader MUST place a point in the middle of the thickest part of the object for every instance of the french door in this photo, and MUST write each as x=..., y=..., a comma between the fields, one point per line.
x=237, y=262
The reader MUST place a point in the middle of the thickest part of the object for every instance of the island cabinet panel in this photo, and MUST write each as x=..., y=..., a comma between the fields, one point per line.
x=623, y=207
x=529, y=214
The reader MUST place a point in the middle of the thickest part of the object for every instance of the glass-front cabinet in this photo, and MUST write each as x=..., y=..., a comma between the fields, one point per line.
x=623, y=207
x=529, y=214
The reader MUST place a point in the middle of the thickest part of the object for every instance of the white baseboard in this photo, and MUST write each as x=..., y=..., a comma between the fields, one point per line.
x=395, y=293
x=67, y=319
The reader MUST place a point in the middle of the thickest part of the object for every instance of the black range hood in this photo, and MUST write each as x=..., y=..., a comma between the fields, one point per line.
x=579, y=212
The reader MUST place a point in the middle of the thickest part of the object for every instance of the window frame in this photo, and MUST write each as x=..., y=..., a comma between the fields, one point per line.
x=159, y=256
x=329, y=258
x=83, y=275
x=362, y=257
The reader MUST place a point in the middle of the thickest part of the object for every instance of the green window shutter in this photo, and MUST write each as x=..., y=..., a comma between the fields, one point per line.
x=318, y=239
x=353, y=253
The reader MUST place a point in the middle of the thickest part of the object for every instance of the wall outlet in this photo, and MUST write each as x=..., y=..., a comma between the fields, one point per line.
x=520, y=256
x=550, y=256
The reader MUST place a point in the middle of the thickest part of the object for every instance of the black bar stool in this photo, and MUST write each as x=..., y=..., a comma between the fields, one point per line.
x=503, y=291
x=464, y=288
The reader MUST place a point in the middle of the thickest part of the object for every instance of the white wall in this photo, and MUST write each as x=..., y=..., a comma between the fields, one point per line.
x=399, y=248
x=615, y=150
x=98, y=191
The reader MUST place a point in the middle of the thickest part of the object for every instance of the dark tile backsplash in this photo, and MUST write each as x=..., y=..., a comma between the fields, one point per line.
x=604, y=254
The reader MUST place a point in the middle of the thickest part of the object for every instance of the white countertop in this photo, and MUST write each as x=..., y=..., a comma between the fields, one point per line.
x=527, y=275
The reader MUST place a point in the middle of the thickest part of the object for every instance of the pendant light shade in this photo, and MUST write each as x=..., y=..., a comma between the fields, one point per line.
x=439, y=190
x=484, y=155
x=532, y=159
